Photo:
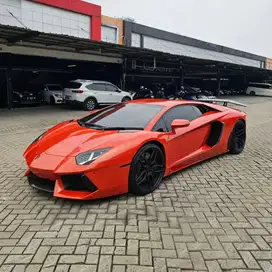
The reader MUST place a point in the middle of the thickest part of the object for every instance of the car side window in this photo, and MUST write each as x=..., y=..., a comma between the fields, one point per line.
x=186, y=112
x=111, y=88
x=96, y=87
x=160, y=126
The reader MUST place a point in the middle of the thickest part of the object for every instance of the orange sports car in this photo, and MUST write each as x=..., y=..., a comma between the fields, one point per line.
x=130, y=147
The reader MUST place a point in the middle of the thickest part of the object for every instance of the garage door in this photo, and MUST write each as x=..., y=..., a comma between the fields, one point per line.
x=109, y=34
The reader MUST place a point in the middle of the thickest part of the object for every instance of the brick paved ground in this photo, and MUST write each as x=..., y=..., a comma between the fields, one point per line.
x=215, y=216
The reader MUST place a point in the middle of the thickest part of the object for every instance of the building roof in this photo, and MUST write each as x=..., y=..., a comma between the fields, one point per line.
x=11, y=35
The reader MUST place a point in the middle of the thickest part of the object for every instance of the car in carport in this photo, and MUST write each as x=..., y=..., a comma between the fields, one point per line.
x=52, y=94
x=91, y=93
x=26, y=98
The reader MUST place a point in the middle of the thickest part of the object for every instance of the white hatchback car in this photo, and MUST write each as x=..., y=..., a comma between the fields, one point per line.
x=53, y=94
x=91, y=93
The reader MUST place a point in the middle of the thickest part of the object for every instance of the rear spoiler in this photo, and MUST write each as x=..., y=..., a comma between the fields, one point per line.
x=224, y=101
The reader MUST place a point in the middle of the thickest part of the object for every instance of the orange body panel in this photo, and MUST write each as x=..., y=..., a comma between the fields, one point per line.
x=54, y=155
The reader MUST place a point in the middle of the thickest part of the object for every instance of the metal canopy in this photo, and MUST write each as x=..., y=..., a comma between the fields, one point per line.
x=11, y=35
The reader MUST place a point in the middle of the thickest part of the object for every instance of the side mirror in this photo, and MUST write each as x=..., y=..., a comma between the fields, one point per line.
x=179, y=123
x=118, y=91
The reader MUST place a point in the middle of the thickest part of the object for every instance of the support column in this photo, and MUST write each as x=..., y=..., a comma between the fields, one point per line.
x=142, y=41
x=245, y=82
x=124, y=74
x=181, y=76
x=9, y=84
x=218, y=84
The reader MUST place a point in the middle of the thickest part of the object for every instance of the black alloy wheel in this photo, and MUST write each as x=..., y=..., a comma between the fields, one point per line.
x=252, y=93
x=238, y=138
x=89, y=104
x=147, y=170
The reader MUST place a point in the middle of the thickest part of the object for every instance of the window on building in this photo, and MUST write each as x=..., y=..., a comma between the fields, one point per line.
x=109, y=34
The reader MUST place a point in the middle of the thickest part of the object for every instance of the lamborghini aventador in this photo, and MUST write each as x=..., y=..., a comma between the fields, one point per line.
x=131, y=147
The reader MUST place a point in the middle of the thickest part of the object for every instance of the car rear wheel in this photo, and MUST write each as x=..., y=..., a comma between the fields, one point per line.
x=126, y=99
x=147, y=170
x=252, y=93
x=89, y=104
x=237, y=139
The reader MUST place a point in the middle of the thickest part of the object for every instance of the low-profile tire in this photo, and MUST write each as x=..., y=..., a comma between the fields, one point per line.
x=52, y=100
x=252, y=93
x=147, y=170
x=237, y=138
x=90, y=104
x=126, y=99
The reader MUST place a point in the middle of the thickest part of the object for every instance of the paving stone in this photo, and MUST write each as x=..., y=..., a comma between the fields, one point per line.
x=125, y=259
x=18, y=259
x=134, y=268
x=41, y=254
x=145, y=256
x=82, y=268
x=133, y=247
x=198, y=261
x=213, y=266
x=249, y=260
x=180, y=263
x=164, y=253
x=262, y=255
x=92, y=259
x=105, y=262
x=214, y=255
x=72, y=259
x=231, y=264
x=118, y=268
x=160, y=265
x=246, y=246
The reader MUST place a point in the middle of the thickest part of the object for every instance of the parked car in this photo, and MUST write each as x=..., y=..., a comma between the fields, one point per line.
x=26, y=98
x=264, y=89
x=91, y=93
x=89, y=158
x=53, y=94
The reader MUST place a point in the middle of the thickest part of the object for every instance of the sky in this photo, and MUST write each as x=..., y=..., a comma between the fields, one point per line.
x=241, y=24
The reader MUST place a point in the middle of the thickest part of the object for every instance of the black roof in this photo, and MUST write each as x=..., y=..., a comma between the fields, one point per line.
x=11, y=35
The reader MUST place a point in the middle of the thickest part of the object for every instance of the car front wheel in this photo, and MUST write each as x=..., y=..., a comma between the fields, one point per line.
x=147, y=170
x=126, y=99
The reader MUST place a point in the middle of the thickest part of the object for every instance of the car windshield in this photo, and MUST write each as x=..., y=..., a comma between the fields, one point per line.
x=54, y=88
x=122, y=116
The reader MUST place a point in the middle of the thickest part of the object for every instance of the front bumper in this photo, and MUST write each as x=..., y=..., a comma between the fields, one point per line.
x=58, y=100
x=77, y=182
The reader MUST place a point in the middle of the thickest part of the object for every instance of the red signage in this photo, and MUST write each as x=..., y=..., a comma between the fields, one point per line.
x=81, y=7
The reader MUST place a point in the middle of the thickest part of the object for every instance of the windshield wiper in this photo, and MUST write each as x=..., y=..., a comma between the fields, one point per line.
x=83, y=124
x=100, y=127
x=122, y=128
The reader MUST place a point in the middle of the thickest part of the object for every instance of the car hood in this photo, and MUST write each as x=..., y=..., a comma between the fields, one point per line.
x=71, y=139
x=56, y=92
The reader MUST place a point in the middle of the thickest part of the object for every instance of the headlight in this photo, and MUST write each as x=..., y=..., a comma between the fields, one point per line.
x=87, y=158
x=38, y=138
x=58, y=95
